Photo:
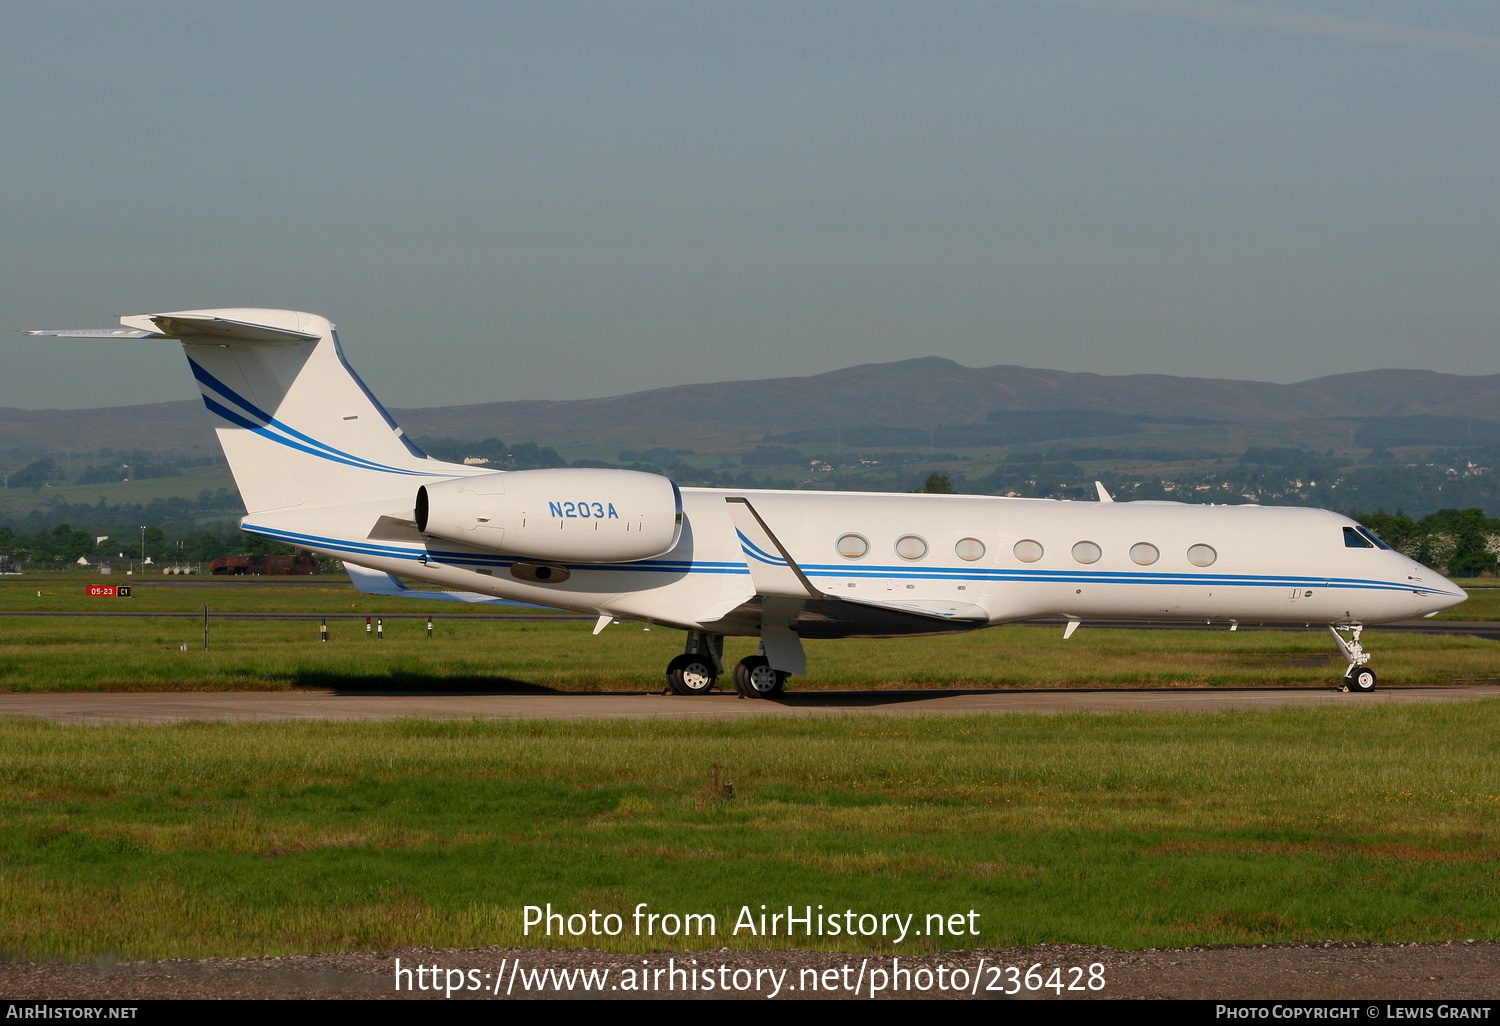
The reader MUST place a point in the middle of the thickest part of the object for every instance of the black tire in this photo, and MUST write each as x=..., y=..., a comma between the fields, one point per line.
x=754, y=678
x=691, y=675
x=1361, y=679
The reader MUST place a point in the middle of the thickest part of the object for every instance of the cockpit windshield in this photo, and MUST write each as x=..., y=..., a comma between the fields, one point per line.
x=1356, y=540
x=1371, y=535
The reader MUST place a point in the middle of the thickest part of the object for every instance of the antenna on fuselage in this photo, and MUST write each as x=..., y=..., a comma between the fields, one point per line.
x=1104, y=495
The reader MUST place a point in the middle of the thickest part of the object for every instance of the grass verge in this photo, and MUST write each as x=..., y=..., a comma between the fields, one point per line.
x=1137, y=830
x=90, y=654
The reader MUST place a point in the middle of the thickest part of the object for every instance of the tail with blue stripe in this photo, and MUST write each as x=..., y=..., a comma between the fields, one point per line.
x=297, y=425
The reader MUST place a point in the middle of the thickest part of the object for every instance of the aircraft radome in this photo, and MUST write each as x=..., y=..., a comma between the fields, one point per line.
x=322, y=466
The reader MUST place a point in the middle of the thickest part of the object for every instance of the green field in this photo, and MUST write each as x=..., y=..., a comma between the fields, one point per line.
x=130, y=654
x=84, y=654
x=1360, y=823
x=17, y=502
x=323, y=594
x=1483, y=602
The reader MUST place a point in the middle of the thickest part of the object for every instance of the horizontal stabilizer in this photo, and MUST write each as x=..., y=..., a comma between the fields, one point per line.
x=378, y=582
x=97, y=333
x=194, y=327
x=189, y=326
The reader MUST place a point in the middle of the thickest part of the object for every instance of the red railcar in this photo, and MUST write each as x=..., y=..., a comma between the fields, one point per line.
x=278, y=566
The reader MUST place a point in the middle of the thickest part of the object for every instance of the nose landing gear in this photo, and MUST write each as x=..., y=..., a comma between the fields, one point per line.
x=1358, y=678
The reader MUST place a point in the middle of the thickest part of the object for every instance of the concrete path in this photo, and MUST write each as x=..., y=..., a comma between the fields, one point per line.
x=174, y=707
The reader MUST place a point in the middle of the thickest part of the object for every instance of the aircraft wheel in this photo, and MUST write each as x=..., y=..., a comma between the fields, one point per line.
x=1360, y=679
x=754, y=678
x=690, y=674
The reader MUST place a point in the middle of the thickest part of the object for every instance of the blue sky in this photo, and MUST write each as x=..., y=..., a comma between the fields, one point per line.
x=559, y=200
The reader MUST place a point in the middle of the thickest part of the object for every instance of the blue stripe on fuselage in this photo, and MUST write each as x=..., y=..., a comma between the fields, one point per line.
x=974, y=574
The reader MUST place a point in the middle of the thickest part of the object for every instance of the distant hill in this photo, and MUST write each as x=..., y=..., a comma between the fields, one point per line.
x=921, y=394
x=1407, y=393
x=180, y=427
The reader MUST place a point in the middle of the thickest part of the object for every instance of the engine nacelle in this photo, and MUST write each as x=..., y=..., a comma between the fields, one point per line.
x=582, y=515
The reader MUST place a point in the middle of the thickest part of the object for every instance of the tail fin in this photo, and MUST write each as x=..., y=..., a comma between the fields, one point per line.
x=297, y=425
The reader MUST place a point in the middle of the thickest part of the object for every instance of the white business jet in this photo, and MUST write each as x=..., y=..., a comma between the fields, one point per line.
x=321, y=466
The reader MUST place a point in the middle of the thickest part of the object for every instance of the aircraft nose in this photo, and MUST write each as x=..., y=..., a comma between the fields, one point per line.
x=1444, y=593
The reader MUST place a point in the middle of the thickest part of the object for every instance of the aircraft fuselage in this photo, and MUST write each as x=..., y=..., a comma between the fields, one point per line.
x=1013, y=558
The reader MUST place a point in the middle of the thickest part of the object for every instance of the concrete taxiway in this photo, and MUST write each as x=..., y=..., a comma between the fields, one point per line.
x=176, y=707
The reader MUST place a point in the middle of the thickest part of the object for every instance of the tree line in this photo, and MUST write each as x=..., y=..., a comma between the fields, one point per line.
x=64, y=544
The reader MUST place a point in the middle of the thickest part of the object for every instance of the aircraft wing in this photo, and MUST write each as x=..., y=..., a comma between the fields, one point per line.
x=378, y=582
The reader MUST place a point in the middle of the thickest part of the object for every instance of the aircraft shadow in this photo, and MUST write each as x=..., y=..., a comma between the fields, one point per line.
x=419, y=684
x=428, y=685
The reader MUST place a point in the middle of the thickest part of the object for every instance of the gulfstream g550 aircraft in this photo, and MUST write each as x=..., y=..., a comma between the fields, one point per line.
x=322, y=466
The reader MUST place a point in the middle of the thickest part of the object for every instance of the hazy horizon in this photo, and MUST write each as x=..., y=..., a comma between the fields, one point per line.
x=677, y=384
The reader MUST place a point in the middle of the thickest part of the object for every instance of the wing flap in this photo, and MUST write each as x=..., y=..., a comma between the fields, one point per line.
x=936, y=609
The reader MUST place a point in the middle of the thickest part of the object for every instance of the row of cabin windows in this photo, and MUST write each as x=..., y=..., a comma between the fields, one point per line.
x=909, y=546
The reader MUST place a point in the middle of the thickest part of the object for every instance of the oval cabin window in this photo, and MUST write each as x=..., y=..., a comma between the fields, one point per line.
x=1028, y=551
x=969, y=548
x=911, y=547
x=1086, y=552
x=852, y=546
x=1144, y=553
x=1202, y=555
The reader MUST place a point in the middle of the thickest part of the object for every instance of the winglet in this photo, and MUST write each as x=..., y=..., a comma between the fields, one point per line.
x=772, y=569
x=1104, y=495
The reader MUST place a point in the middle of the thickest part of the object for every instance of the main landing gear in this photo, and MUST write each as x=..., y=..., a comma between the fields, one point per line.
x=754, y=678
x=697, y=670
x=1358, y=677
x=694, y=672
